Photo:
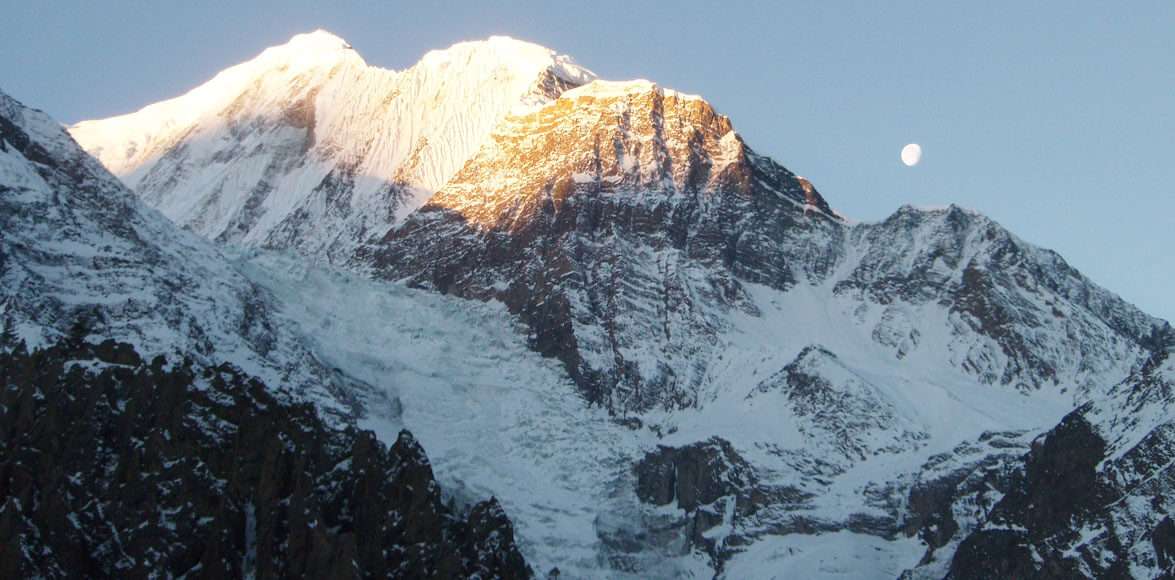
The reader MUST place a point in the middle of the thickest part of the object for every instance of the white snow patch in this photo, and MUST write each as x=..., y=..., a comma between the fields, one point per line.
x=838, y=555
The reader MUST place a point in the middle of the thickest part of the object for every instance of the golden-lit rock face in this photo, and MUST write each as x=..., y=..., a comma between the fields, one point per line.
x=619, y=223
x=634, y=140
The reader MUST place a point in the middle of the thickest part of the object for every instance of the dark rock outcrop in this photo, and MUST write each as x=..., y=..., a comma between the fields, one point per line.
x=114, y=467
x=954, y=491
x=993, y=554
x=1060, y=481
x=1163, y=538
x=693, y=475
x=717, y=490
x=1055, y=494
x=1093, y=496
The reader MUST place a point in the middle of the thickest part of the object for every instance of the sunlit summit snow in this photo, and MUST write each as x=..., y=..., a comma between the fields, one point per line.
x=308, y=146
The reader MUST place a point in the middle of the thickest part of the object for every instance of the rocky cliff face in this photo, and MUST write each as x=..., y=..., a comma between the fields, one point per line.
x=118, y=467
x=628, y=226
x=720, y=501
x=307, y=147
x=619, y=223
x=1093, y=496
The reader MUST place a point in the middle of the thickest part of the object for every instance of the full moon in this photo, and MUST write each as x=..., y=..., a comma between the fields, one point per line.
x=911, y=154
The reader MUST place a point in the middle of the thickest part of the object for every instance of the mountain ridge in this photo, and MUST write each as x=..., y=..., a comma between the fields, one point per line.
x=612, y=173
x=307, y=147
x=81, y=255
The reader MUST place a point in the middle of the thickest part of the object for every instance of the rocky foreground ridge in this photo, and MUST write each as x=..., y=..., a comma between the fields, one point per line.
x=118, y=467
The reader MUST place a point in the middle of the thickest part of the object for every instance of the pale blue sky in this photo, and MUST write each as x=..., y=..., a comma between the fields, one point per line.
x=1058, y=120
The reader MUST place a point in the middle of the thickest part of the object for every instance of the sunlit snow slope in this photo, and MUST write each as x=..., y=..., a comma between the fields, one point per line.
x=308, y=147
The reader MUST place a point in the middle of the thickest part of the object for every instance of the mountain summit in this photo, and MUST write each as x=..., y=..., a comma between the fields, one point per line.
x=616, y=221
x=308, y=147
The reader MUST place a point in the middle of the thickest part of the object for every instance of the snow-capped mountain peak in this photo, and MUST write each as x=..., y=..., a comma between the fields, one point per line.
x=126, y=143
x=317, y=41
x=308, y=147
x=519, y=56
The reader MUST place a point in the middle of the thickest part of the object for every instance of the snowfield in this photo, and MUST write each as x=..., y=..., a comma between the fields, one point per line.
x=496, y=418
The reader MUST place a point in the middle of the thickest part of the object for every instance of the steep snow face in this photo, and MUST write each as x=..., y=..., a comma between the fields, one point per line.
x=81, y=256
x=308, y=147
x=127, y=143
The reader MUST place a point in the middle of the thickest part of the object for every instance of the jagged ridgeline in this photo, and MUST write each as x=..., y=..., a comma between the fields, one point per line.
x=307, y=147
x=118, y=467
